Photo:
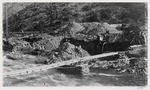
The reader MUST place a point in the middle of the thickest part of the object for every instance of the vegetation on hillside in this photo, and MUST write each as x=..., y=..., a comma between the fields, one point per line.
x=49, y=17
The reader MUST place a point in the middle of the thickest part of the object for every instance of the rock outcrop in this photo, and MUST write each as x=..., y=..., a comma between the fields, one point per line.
x=47, y=43
x=67, y=51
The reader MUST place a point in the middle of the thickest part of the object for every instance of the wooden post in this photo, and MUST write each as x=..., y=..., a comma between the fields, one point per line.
x=7, y=34
x=85, y=70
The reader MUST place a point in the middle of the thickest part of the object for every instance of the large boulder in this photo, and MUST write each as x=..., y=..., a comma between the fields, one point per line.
x=47, y=43
x=18, y=45
x=67, y=51
x=22, y=46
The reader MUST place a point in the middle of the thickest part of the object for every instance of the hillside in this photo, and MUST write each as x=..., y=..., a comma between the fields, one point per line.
x=49, y=17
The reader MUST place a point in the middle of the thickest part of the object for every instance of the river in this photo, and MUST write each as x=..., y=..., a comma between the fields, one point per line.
x=97, y=77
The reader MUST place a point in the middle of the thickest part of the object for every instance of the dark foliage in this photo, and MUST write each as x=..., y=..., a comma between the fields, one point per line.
x=96, y=46
x=90, y=47
x=115, y=46
x=7, y=46
x=48, y=17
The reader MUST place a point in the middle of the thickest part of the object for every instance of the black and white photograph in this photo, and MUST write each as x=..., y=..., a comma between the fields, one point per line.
x=77, y=44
